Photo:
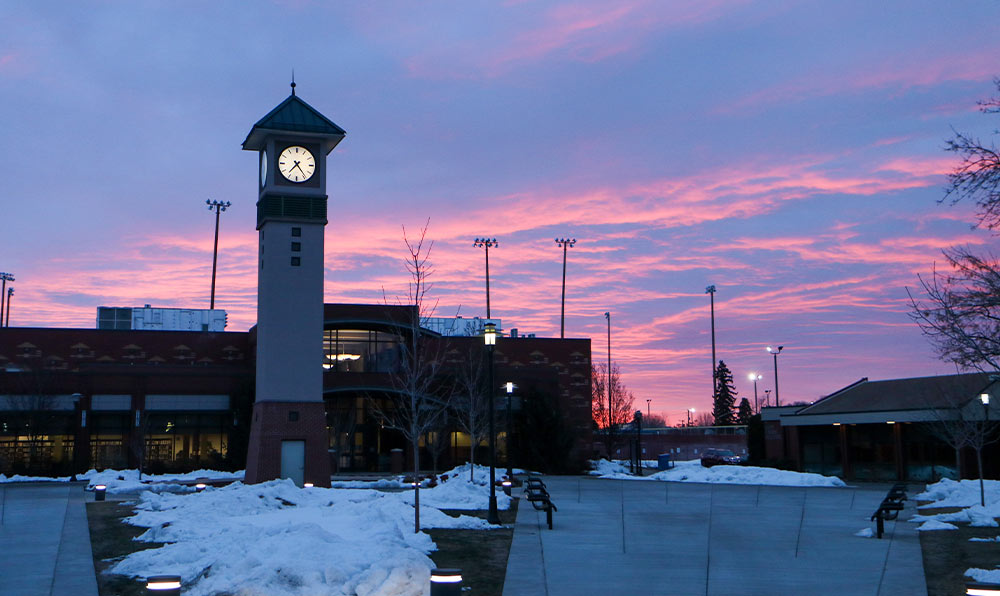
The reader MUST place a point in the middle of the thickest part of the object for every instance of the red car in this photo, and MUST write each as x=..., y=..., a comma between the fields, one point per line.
x=712, y=457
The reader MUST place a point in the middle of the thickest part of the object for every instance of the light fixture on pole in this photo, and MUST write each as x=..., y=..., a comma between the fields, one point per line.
x=690, y=411
x=490, y=339
x=710, y=290
x=607, y=316
x=4, y=278
x=755, y=377
x=565, y=243
x=218, y=206
x=10, y=297
x=509, y=386
x=487, y=243
x=647, y=407
x=985, y=399
x=777, y=399
x=767, y=397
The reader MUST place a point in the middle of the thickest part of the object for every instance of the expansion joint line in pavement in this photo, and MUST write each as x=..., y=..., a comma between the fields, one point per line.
x=708, y=547
x=59, y=551
x=541, y=553
x=802, y=517
x=885, y=563
x=621, y=492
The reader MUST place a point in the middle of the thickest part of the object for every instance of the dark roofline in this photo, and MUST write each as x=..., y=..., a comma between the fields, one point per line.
x=834, y=394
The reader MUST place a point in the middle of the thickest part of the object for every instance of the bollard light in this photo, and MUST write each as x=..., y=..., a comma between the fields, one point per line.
x=163, y=585
x=506, y=486
x=200, y=486
x=99, y=491
x=446, y=582
x=981, y=589
x=307, y=485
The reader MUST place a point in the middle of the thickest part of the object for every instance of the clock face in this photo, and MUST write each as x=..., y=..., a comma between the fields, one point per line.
x=296, y=164
x=263, y=168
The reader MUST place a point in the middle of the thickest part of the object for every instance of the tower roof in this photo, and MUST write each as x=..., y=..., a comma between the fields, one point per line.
x=293, y=115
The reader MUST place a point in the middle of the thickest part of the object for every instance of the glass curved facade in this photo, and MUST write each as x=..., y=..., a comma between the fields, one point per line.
x=359, y=350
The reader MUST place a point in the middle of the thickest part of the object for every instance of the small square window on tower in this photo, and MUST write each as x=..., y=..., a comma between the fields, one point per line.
x=296, y=261
x=293, y=416
x=296, y=247
x=296, y=232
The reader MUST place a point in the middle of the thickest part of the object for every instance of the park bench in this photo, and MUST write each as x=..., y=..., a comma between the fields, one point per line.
x=890, y=507
x=538, y=496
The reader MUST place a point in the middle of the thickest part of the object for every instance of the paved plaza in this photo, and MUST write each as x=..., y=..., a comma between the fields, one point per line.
x=616, y=537
x=45, y=540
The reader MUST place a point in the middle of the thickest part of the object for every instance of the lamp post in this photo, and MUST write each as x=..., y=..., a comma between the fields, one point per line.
x=985, y=398
x=777, y=399
x=218, y=206
x=690, y=411
x=490, y=338
x=755, y=377
x=607, y=316
x=767, y=397
x=487, y=243
x=10, y=296
x=4, y=278
x=565, y=243
x=710, y=290
x=638, y=442
x=647, y=407
x=509, y=386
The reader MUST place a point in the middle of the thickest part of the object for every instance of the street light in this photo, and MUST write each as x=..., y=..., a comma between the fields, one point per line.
x=218, y=206
x=767, y=397
x=509, y=386
x=647, y=407
x=690, y=411
x=5, y=277
x=565, y=243
x=10, y=297
x=490, y=339
x=755, y=377
x=487, y=243
x=985, y=398
x=607, y=316
x=777, y=400
x=710, y=290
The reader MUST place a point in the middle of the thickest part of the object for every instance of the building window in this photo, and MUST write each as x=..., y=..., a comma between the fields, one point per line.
x=296, y=232
x=296, y=247
x=359, y=350
x=293, y=416
x=296, y=261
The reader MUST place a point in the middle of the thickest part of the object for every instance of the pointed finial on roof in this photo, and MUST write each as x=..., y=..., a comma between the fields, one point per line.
x=293, y=81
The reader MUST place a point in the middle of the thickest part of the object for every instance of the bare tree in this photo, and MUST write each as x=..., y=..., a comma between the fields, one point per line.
x=438, y=441
x=472, y=405
x=977, y=177
x=416, y=405
x=614, y=415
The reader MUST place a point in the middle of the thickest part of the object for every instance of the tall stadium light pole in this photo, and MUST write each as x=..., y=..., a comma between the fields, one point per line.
x=10, y=296
x=755, y=377
x=487, y=243
x=607, y=316
x=490, y=339
x=777, y=400
x=710, y=290
x=219, y=207
x=6, y=277
x=565, y=243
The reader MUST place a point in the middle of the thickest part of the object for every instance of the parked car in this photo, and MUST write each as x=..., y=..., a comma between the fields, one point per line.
x=712, y=457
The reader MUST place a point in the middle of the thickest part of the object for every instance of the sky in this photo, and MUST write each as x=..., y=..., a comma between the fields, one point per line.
x=788, y=152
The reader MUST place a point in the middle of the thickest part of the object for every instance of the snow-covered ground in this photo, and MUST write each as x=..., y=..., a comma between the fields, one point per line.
x=965, y=495
x=277, y=539
x=693, y=471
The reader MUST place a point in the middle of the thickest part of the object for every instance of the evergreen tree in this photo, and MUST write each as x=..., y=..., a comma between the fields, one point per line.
x=744, y=413
x=724, y=402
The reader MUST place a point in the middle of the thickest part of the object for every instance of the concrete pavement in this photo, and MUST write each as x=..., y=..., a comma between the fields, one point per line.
x=45, y=540
x=614, y=536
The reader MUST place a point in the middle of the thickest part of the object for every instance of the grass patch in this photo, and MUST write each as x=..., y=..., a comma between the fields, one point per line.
x=480, y=554
x=112, y=539
x=948, y=553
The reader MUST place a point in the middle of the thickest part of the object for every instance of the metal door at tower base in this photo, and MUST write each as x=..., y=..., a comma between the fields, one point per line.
x=293, y=461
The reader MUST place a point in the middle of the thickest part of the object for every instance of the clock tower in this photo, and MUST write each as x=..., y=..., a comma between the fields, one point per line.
x=288, y=435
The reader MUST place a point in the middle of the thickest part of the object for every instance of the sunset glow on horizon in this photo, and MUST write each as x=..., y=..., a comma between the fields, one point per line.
x=789, y=153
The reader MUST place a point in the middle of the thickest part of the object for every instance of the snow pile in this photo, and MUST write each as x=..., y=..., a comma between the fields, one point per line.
x=19, y=478
x=277, y=539
x=604, y=468
x=127, y=481
x=380, y=483
x=933, y=524
x=865, y=533
x=964, y=495
x=994, y=539
x=454, y=491
x=693, y=471
x=986, y=576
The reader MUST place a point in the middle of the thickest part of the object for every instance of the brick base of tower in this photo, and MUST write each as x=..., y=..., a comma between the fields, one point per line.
x=274, y=422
